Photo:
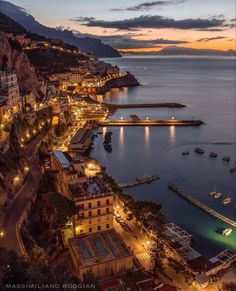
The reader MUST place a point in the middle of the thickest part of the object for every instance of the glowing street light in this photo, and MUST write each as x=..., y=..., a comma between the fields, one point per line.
x=172, y=117
x=2, y=233
x=26, y=169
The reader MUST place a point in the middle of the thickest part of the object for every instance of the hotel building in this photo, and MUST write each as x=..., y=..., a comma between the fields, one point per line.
x=92, y=197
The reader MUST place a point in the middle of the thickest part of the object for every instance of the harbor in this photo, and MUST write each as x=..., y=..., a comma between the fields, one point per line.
x=201, y=205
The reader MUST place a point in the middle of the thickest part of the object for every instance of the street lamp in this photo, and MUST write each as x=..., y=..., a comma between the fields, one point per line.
x=2, y=233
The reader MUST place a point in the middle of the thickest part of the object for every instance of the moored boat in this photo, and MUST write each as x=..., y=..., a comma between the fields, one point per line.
x=185, y=153
x=227, y=231
x=227, y=201
x=212, y=194
x=217, y=195
x=199, y=151
x=213, y=155
x=226, y=159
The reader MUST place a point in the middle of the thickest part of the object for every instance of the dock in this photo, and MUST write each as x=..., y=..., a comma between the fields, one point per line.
x=201, y=205
x=150, y=122
x=145, y=105
x=139, y=181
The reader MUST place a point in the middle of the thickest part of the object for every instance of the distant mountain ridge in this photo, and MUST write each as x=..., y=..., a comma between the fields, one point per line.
x=184, y=51
x=85, y=44
x=175, y=50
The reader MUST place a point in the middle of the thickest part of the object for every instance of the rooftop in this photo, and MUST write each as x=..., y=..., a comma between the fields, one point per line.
x=98, y=248
x=92, y=188
x=62, y=158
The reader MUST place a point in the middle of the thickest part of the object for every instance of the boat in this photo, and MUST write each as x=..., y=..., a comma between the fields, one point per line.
x=227, y=200
x=226, y=159
x=217, y=195
x=227, y=231
x=232, y=169
x=199, y=151
x=185, y=153
x=213, y=155
x=213, y=193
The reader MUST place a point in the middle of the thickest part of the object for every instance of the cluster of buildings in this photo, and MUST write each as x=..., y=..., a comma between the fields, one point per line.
x=10, y=100
x=93, y=243
x=202, y=268
x=87, y=75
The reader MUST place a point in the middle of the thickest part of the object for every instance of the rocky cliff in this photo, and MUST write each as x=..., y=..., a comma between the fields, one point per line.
x=12, y=54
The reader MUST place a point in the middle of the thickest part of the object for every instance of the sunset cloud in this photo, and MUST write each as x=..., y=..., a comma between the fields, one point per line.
x=206, y=39
x=148, y=5
x=150, y=21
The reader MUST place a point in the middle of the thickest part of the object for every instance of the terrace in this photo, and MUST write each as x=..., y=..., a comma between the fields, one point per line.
x=98, y=248
x=93, y=188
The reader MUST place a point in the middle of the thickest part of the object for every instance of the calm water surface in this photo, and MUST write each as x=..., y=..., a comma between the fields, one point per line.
x=207, y=87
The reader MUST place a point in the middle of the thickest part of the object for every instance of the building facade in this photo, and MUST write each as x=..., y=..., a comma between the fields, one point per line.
x=92, y=197
x=9, y=90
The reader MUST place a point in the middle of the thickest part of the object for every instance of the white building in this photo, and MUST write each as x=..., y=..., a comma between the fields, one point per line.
x=9, y=90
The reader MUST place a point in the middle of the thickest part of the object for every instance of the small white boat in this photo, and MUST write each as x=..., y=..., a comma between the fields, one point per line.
x=227, y=201
x=217, y=195
x=227, y=232
x=212, y=193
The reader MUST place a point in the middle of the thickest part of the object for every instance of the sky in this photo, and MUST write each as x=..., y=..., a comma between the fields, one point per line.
x=142, y=25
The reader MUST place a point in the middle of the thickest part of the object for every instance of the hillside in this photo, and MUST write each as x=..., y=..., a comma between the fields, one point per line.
x=18, y=61
x=86, y=44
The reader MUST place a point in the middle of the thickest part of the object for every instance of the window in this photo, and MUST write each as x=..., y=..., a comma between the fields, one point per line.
x=107, y=210
x=82, y=215
x=81, y=206
x=107, y=226
x=90, y=229
x=90, y=221
x=81, y=231
x=107, y=202
x=99, y=211
x=90, y=205
x=99, y=227
x=99, y=219
x=90, y=213
x=108, y=217
x=98, y=203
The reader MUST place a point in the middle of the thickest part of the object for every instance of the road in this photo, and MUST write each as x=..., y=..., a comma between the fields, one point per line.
x=140, y=243
x=10, y=239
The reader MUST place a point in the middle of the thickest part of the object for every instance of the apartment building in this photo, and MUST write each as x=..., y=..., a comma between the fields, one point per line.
x=92, y=197
x=9, y=90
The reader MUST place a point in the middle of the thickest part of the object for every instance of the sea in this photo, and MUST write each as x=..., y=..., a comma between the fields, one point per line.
x=207, y=86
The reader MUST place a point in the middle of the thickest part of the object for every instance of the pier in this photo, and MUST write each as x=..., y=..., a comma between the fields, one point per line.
x=150, y=122
x=201, y=205
x=145, y=105
x=139, y=181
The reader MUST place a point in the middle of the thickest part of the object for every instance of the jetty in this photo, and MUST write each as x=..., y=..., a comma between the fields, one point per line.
x=139, y=181
x=150, y=122
x=145, y=105
x=201, y=205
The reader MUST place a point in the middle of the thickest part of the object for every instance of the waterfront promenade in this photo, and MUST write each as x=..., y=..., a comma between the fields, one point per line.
x=201, y=205
x=150, y=122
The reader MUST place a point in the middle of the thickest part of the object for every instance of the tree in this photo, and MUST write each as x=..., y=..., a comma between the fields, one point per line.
x=38, y=256
x=157, y=254
x=63, y=208
x=229, y=286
